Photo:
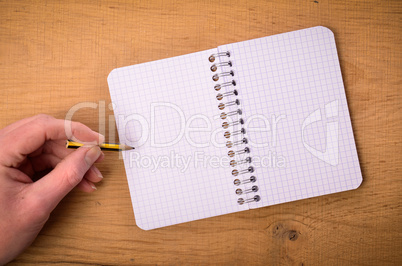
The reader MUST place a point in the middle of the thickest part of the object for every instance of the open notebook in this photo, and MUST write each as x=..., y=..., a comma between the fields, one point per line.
x=258, y=123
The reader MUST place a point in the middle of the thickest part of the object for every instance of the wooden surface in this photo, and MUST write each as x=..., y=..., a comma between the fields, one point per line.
x=57, y=54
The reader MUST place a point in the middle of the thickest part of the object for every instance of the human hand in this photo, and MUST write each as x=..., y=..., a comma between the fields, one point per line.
x=28, y=147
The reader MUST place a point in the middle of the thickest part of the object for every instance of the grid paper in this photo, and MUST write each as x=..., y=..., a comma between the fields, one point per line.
x=291, y=87
x=178, y=93
x=297, y=121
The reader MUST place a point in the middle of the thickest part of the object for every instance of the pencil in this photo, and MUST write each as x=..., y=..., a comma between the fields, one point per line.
x=104, y=146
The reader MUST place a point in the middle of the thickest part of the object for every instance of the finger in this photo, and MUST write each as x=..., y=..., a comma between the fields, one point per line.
x=101, y=157
x=68, y=173
x=30, y=136
x=86, y=186
x=16, y=124
x=44, y=161
x=26, y=167
x=17, y=175
x=93, y=175
x=33, y=165
x=47, y=161
x=58, y=148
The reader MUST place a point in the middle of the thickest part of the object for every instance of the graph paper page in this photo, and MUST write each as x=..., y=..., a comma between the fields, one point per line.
x=297, y=118
x=179, y=169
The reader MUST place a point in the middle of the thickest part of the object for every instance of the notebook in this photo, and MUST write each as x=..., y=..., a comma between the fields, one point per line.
x=241, y=126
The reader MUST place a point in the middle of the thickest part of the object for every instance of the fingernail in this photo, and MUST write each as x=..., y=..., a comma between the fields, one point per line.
x=101, y=138
x=92, y=155
x=93, y=187
x=97, y=172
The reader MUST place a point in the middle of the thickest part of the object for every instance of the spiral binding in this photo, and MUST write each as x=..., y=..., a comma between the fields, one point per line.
x=237, y=148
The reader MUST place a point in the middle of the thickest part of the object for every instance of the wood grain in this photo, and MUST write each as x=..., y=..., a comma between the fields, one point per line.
x=57, y=54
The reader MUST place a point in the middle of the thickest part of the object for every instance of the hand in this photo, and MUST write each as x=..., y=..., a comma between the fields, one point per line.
x=27, y=148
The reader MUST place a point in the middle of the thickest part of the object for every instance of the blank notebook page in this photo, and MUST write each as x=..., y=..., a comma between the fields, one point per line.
x=295, y=108
x=174, y=174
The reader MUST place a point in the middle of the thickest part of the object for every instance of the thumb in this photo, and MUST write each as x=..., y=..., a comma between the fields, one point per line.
x=53, y=187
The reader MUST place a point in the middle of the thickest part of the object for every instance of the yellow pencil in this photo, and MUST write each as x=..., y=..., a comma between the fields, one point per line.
x=104, y=146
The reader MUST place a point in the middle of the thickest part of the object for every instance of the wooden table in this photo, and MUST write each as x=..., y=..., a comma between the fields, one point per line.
x=56, y=55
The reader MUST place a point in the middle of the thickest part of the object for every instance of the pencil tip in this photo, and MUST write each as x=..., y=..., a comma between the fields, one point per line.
x=126, y=147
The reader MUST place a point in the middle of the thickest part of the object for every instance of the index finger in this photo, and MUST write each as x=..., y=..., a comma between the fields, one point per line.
x=30, y=136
